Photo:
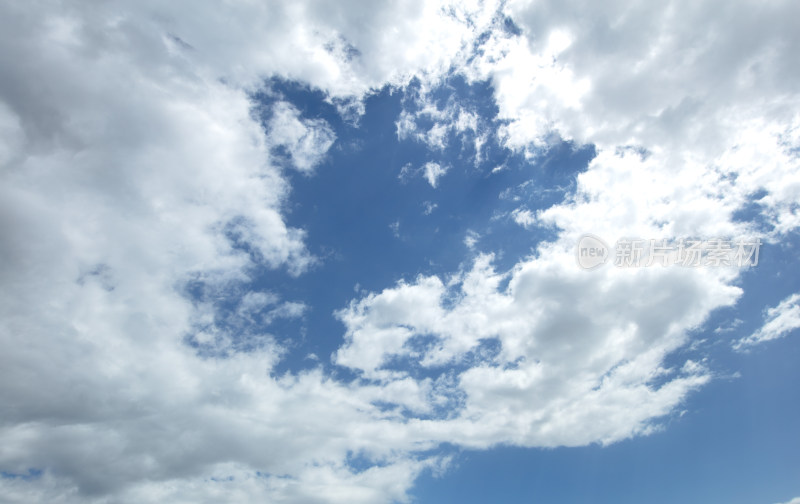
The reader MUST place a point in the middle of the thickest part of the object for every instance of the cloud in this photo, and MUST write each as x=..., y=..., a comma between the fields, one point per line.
x=139, y=198
x=406, y=172
x=796, y=500
x=433, y=172
x=548, y=360
x=423, y=120
x=307, y=140
x=395, y=227
x=676, y=81
x=779, y=321
x=524, y=217
x=627, y=74
x=471, y=239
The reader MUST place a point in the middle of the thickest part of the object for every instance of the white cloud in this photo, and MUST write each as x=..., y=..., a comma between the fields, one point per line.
x=133, y=170
x=796, y=500
x=729, y=327
x=429, y=207
x=471, y=239
x=524, y=217
x=254, y=302
x=678, y=81
x=406, y=172
x=347, y=48
x=577, y=356
x=625, y=74
x=307, y=140
x=779, y=321
x=433, y=172
x=395, y=227
x=680, y=187
x=424, y=121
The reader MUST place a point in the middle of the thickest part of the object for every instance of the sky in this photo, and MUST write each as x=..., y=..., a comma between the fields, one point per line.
x=331, y=252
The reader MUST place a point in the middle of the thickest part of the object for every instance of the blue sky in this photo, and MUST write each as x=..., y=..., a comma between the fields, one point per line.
x=349, y=212
x=326, y=253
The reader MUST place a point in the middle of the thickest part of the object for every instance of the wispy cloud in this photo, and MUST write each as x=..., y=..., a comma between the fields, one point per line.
x=779, y=321
x=433, y=172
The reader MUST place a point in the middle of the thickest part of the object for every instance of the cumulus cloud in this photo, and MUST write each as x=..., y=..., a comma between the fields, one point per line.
x=676, y=81
x=778, y=322
x=136, y=188
x=624, y=74
x=558, y=356
x=649, y=179
x=139, y=195
x=569, y=369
